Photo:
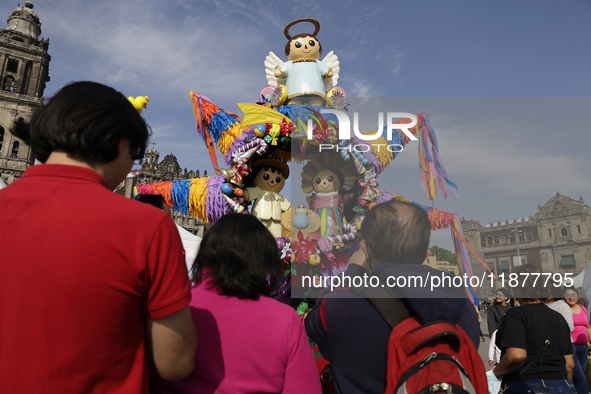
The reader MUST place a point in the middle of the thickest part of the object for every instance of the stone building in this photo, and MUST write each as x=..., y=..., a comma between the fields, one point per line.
x=557, y=239
x=446, y=266
x=167, y=170
x=24, y=70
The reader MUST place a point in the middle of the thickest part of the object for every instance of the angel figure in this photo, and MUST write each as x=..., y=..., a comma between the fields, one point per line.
x=306, y=77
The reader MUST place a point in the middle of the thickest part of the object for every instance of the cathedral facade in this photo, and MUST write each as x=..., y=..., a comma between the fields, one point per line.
x=168, y=169
x=24, y=70
x=557, y=239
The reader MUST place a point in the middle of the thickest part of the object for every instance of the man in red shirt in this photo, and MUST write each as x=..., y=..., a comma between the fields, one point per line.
x=93, y=286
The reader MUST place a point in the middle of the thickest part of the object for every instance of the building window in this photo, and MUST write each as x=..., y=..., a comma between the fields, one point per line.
x=505, y=239
x=14, y=153
x=567, y=262
x=12, y=65
x=550, y=232
x=496, y=240
x=1, y=137
x=563, y=232
x=520, y=237
x=578, y=227
x=504, y=267
x=512, y=238
x=528, y=236
x=489, y=241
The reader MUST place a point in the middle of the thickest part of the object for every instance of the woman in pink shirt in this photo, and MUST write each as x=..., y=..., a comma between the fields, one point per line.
x=580, y=335
x=248, y=342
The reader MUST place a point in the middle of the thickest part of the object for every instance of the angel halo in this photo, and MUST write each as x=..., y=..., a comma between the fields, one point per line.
x=305, y=79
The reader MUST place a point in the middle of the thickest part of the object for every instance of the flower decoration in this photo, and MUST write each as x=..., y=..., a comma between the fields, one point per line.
x=286, y=128
x=303, y=248
x=320, y=134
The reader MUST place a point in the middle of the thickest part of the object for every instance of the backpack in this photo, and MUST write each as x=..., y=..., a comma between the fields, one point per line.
x=437, y=357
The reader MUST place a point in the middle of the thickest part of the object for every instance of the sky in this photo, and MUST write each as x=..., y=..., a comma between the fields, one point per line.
x=506, y=83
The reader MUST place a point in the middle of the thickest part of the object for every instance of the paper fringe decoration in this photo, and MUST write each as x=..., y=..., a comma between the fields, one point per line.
x=212, y=123
x=180, y=192
x=215, y=203
x=198, y=198
x=228, y=137
x=163, y=188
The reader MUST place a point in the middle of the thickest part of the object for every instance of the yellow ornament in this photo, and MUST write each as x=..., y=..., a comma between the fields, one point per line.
x=277, y=98
x=337, y=98
x=314, y=259
x=275, y=132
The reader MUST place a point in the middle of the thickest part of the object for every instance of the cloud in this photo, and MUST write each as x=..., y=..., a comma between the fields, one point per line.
x=144, y=44
x=393, y=61
x=363, y=87
x=496, y=160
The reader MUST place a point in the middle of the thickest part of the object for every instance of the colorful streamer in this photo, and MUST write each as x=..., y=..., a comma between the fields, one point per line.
x=213, y=123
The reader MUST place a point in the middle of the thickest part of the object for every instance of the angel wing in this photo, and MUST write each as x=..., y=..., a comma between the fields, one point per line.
x=271, y=62
x=333, y=62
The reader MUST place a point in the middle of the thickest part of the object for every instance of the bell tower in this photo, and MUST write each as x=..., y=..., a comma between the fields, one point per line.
x=24, y=70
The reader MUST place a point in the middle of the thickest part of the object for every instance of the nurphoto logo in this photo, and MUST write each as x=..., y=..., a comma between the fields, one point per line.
x=345, y=131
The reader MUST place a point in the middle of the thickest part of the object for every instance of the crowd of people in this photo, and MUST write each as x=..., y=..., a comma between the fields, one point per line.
x=534, y=349
x=96, y=296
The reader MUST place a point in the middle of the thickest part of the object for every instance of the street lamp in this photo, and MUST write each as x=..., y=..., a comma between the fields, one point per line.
x=517, y=232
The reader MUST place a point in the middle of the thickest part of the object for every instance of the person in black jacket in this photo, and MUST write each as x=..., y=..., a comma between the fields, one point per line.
x=497, y=310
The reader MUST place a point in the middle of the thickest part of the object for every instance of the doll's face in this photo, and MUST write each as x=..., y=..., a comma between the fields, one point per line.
x=304, y=47
x=326, y=181
x=301, y=208
x=269, y=179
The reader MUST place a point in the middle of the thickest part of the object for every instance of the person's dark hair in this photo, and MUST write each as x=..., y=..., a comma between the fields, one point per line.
x=288, y=46
x=240, y=256
x=397, y=232
x=530, y=287
x=86, y=120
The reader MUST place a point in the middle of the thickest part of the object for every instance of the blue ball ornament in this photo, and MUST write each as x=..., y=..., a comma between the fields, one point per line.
x=227, y=189
x=300, y=220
